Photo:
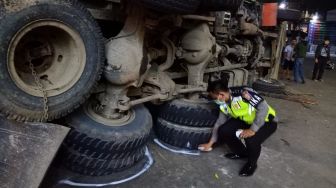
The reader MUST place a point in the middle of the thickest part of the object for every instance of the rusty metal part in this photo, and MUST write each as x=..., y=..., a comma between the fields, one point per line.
x=226, y=50
x=154, y=53
x=171, y=51
x=196, y=74
x=241, y=51
x=110, y=100
x=106, y=10
x=258, y=51
x=92, y=109
x=198, y=17
x=198, y=45
x=126, y=64
x=43, y=91
x=191, y=90
x=161, y=80
x=222, y=19
x=198, y=49
x=249, y=28
x=162, y=97
x=127, y=105
x=222, y=28
x=125, y=53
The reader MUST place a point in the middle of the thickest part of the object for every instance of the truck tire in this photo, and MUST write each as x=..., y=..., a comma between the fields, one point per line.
x=185, y=112
x=154, y=109
x=91, y=166
x=182, y=136
x=173, y=6
x=271, y=86
x=108, y=140
x=63, y=43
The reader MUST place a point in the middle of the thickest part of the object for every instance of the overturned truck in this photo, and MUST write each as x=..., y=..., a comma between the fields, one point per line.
x=103, y=59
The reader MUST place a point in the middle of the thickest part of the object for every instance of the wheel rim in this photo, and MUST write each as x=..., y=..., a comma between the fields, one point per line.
x=56, y=51
x=128, y=117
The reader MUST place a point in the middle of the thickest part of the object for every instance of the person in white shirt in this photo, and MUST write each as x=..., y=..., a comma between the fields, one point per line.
x=289, y=59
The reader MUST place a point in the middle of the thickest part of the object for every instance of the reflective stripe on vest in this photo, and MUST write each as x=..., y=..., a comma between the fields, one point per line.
x=243, y=111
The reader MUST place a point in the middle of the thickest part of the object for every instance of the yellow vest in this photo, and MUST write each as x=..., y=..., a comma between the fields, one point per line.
x=242, y=110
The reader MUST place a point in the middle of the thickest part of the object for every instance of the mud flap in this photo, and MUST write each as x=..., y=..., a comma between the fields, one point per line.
x=26, y=151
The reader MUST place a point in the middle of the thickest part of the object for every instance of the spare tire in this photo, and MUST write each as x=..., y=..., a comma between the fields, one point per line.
x=56, y=43
x=182, y=136
x=271, y=86
x=201, y=113
x=173, y=6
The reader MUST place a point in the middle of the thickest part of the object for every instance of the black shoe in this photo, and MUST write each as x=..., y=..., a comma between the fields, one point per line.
x=247, y=170
x=303, y=82
x=234, y=156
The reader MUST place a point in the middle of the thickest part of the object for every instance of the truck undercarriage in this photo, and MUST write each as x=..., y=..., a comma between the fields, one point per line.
x=111, y=56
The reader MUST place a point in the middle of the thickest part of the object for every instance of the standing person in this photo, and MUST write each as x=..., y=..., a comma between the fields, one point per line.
x=300, y=52
x=322, y=56
x=242, y=108
x=289, y=59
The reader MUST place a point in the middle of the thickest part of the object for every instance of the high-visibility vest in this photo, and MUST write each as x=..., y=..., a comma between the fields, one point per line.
x=244, y=111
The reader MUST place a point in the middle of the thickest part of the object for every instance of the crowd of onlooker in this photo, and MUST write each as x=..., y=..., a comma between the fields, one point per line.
x=294, y=57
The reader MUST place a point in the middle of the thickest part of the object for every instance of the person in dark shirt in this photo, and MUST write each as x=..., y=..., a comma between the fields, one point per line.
x=322, y=56
x=300, y=51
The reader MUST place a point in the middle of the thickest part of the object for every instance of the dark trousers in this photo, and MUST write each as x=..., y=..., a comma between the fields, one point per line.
x=319, y=68
x=227, y=134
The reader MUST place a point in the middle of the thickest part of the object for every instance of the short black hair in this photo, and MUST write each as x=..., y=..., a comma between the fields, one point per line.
x=218, y=86
x=326, y=38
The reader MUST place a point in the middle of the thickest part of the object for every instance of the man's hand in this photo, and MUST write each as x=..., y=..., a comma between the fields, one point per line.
x=316, y=60
x=205, y=147
x=247, y=133
x=246, y=95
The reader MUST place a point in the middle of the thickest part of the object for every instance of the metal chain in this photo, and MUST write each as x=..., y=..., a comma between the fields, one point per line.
x=43, y=91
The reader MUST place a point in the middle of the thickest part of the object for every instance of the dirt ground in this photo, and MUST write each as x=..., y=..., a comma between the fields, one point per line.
x=301, y=153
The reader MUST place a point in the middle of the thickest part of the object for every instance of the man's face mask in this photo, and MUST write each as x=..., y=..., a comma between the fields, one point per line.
x=219, y=102
x=219, y=98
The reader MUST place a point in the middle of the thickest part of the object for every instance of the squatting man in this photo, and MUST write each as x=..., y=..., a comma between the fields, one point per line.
x=245, y=116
